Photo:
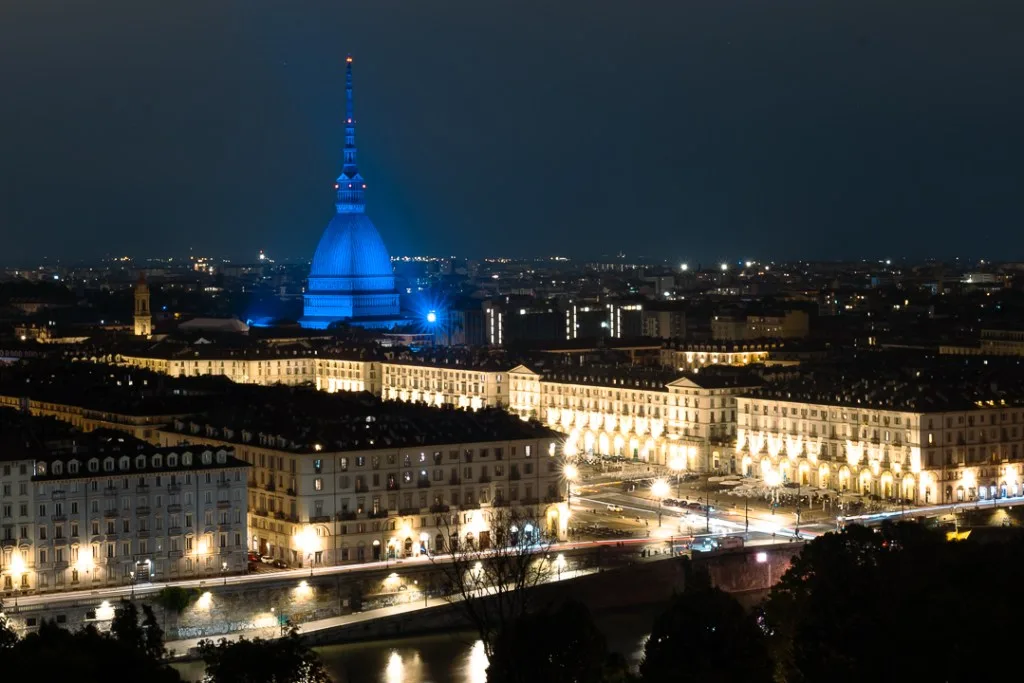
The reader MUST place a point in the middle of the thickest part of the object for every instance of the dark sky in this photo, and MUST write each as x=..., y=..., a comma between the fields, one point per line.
x=689, y=129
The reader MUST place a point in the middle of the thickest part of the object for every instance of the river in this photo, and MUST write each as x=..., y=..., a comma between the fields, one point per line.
x=449, y=658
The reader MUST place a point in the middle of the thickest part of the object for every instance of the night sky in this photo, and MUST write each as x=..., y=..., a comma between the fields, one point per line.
x=693, y=130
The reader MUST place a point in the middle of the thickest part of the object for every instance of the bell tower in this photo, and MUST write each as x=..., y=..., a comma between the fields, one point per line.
x=143, y=314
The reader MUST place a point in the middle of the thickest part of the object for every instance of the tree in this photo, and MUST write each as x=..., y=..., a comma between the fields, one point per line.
x=8, y=637
x=125, y=625
x=175, y=600
x=147, y=637
x=85, y=656
x=284, y=660
x=705, y=635
x=560, y=645
x=872, y=605
x=490, y=577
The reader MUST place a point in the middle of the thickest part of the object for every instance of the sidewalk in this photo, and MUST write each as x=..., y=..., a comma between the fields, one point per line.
x=181, y=648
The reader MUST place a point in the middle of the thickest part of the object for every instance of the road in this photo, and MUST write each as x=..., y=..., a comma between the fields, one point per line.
x=100, y=594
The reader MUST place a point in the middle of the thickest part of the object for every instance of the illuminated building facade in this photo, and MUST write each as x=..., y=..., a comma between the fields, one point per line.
x=442, y=384
x=690, y=357
x=315, y=506
x=921, y=456
x=114, y=510
x=351, y=279
x=688, y=421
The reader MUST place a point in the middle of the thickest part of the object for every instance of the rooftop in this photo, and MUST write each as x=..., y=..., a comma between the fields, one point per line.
x=915, y=383
x=304, y=420
x=125, y=391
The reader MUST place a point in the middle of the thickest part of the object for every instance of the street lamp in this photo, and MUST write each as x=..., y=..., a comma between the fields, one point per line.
x=571, y=473
x=132, y=575
x=677, y=465
x=660, y=490
x=224, y=571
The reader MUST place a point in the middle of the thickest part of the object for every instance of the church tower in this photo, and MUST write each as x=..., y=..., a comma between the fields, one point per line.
x=143, y=314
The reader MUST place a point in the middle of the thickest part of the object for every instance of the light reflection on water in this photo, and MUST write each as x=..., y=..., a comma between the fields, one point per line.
x=449, y=658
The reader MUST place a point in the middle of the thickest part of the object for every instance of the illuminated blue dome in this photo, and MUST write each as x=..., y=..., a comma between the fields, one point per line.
x=351, y=279
x=352, y=247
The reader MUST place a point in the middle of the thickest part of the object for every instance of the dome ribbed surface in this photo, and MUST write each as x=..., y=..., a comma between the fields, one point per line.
x=351, y=247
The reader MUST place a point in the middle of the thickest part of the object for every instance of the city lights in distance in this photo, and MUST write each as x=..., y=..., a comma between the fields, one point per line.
x=725, y=266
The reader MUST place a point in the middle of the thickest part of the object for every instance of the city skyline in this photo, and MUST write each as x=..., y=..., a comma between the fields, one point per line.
x=692, y=130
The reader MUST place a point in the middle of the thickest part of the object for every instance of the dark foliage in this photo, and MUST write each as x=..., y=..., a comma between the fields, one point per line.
x=286, y=660
x=706, y=636
x=560, y=645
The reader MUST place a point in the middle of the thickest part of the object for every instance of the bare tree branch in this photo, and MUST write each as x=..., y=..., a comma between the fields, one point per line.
x=490, y=573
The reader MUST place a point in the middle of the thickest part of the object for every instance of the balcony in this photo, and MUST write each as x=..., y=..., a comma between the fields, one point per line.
x=223, y=484
x=223, y=504
x=408, y=512
x=439, y=508
x=514, y=475
x=454, y=481
x=173, y=488
x=346, y=516
x=499, y=503
x=174, y=509
x=142, y=510
x=484, y=479
x=529, y=501
x=470, y=505
x=270, y=486
x=142, y=488
x=379, y=514
x=109, y=491
x=110, y=513
x=290, y=492
x=423, y=484
x=142, y=533
x=59, y=518
x=320, y=519
x=174, y=554
x=393, y=486
x=174, y=531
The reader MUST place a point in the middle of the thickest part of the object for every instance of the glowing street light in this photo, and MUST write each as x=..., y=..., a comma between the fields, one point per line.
x=431, y=317
x=660, y=490
x=677, y=465
x=685, y=267
x=571, y=473
x=725, y=267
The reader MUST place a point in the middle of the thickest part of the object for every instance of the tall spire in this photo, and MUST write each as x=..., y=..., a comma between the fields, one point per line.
x=350, y=185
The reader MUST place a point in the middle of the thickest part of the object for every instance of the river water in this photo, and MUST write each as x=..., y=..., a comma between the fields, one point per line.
x=449, y=658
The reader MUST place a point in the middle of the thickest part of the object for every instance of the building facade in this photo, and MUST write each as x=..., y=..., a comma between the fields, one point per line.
x=120, y=511
x=323, y=507
x=921, y=457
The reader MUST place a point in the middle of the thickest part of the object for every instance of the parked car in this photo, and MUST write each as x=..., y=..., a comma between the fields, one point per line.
x=254, y=557
x=614, y=508
x=266, y=559
x=280, y=564
x=695, y=506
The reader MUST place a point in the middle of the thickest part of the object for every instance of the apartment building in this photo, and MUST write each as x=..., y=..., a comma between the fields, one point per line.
x=919, y=442
x=690, y=357
x=87, y=510
x=335, y=480
x=663, y=418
